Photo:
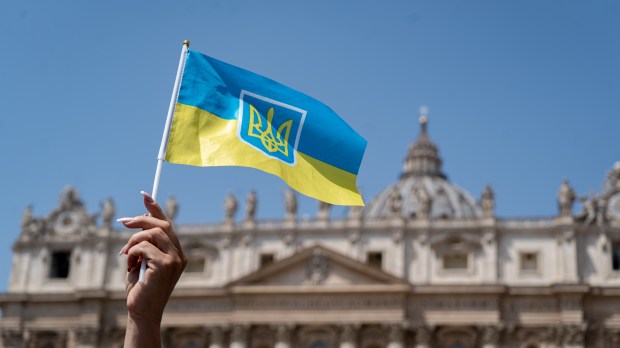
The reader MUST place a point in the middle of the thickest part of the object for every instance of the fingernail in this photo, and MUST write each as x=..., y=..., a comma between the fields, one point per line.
x=125, y=219
x=147, y=196
x=123, y=249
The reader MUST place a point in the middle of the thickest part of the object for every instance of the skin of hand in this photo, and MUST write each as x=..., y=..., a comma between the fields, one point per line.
x=158, y=244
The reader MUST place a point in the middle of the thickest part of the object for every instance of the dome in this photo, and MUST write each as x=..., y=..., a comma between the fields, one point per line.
x=445, y=200
x=423, y=190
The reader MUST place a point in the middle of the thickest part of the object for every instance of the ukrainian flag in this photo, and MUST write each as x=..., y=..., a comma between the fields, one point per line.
x=228, y=116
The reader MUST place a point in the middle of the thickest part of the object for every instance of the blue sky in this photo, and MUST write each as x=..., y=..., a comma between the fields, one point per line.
x=522, y=94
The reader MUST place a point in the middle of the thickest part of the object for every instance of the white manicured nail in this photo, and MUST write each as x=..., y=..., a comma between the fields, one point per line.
x=147, y=196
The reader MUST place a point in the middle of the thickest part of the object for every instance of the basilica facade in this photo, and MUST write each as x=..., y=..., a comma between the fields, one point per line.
x=423, y=265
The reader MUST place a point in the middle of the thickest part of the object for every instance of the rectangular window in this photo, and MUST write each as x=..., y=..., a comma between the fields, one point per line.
x=615, y=256
x=455, y=261
x=266, y=260
x=61, y=262
x=375, y=259
x=528, y=262
x=195, y=264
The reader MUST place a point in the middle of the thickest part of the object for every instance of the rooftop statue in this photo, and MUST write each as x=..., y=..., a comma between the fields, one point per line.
x=172, y=208
x=323, y=212
x=395, y=202
x=487, y=200
x=250, y=206
x=566, y=198
x=230, y=207
x=424, y=202
x=589, y=209
x=70, y=199
x=290, y=204
x=107, y=212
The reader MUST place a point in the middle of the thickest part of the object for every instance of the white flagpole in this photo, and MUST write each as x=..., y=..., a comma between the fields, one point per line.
x=164, y=139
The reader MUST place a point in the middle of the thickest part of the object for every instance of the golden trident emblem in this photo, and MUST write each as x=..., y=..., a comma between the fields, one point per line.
x=271, y=142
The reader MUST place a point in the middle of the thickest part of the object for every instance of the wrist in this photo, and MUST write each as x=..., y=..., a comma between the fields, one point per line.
x=142, y=332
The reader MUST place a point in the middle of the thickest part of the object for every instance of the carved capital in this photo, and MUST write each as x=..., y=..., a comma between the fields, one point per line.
x=423, y=335
x=566, y=236
x=12, y=337
x=283, y=334
x=573, y=334
x=224, y=243
x=488, y=237
x=354, y=237
x=348, y=333
x=490, y=334
x=423, y=238
x=239, y=333
x=86, y=335
x=289, y=238
x=217, y=335
x=397, y=236
x=247, y=239
x=395, y=333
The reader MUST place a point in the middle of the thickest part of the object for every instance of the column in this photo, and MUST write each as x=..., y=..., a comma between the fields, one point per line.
x=217, y=338
x=423, y=337
x=395, y=336
x=283, y=336
x=489, y=336
x=348, y=336
x=238, y=336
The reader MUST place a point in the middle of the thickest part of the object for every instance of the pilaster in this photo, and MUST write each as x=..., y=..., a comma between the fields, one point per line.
x=398, y=245
x=567, y=251
x=489, y=248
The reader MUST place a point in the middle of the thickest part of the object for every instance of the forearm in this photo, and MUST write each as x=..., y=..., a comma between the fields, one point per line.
x=145, y=333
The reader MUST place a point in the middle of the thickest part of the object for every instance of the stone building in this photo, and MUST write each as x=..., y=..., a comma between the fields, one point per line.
x=423, y=265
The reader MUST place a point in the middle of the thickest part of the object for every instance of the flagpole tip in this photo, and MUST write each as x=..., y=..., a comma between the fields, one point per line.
x=186, y=43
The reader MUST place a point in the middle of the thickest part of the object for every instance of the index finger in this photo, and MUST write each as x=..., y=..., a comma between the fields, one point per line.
x=152, y=206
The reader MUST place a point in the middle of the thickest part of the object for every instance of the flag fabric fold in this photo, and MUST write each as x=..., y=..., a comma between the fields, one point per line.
x=228, y=116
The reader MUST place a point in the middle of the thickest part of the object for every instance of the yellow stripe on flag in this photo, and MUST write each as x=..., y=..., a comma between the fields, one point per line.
x=200, y=138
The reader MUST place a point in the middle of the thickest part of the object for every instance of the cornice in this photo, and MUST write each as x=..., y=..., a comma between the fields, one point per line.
x=324, y=290
x=459, y=289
